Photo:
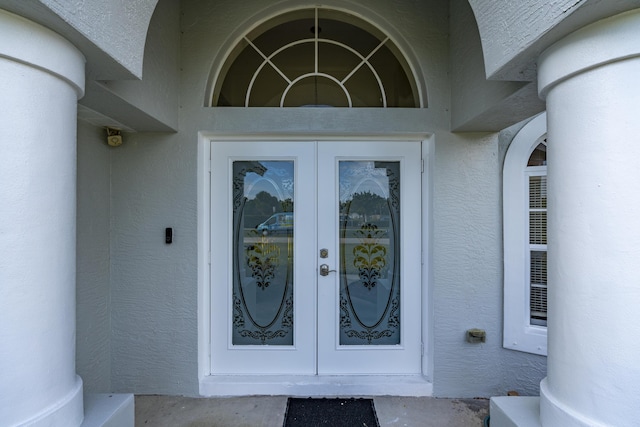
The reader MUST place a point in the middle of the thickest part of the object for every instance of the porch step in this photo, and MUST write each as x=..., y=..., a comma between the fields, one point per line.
x=515, y=411
x=108, y=410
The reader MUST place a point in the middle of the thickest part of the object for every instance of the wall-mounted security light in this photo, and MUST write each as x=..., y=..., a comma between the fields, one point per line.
x=114, y=137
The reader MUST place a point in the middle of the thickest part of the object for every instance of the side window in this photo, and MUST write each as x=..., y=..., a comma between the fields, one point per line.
x=525, y=239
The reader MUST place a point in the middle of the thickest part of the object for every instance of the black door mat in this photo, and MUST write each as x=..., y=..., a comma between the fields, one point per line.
x=330, y=412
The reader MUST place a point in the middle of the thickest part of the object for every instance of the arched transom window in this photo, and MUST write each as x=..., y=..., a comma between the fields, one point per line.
x=316, y=57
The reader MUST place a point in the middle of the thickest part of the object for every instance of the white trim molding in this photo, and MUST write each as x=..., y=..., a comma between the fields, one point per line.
x=519, y=333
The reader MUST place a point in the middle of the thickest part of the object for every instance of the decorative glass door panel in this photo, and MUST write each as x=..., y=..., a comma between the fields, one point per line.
x=315, y=257
x=263, y=319
x=263, y=252
x=369, y=252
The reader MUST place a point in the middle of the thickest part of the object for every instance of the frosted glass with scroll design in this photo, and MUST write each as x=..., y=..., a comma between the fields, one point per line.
x=369, y=252
x=262, y=295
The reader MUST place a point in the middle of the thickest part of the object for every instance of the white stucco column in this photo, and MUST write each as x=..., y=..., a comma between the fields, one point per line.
x=591, y=82
x=41, y=78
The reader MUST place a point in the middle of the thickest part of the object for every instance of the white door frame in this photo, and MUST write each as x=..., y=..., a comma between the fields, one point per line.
x=220, y=385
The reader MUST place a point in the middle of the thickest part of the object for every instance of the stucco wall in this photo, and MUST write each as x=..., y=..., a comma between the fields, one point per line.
x=515, y=33
x=110, y=33
x=93, y=306
x=478, y=104
x=154, y=185
x=153, y=284
x=156, y=94
x=117, y=27
x=468, y=272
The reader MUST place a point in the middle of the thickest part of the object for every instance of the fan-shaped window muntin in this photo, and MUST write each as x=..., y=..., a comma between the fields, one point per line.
x=275, y=66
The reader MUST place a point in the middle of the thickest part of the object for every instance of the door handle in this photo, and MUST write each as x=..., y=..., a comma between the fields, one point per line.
x=324, y=270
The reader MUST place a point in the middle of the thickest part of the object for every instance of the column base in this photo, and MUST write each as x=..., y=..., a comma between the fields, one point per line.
x=555, y=413
x=109, y=410
x=68, y=411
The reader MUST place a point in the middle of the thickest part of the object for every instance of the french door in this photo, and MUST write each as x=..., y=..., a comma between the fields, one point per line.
x=316, y=257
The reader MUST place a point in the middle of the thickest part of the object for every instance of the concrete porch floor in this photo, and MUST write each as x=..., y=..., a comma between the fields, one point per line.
x=268, y=411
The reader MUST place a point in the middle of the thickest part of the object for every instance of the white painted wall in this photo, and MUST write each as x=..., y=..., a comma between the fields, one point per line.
x=153, y=186
x=93, y=280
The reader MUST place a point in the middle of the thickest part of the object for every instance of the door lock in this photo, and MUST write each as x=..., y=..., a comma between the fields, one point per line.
x=324, y=270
